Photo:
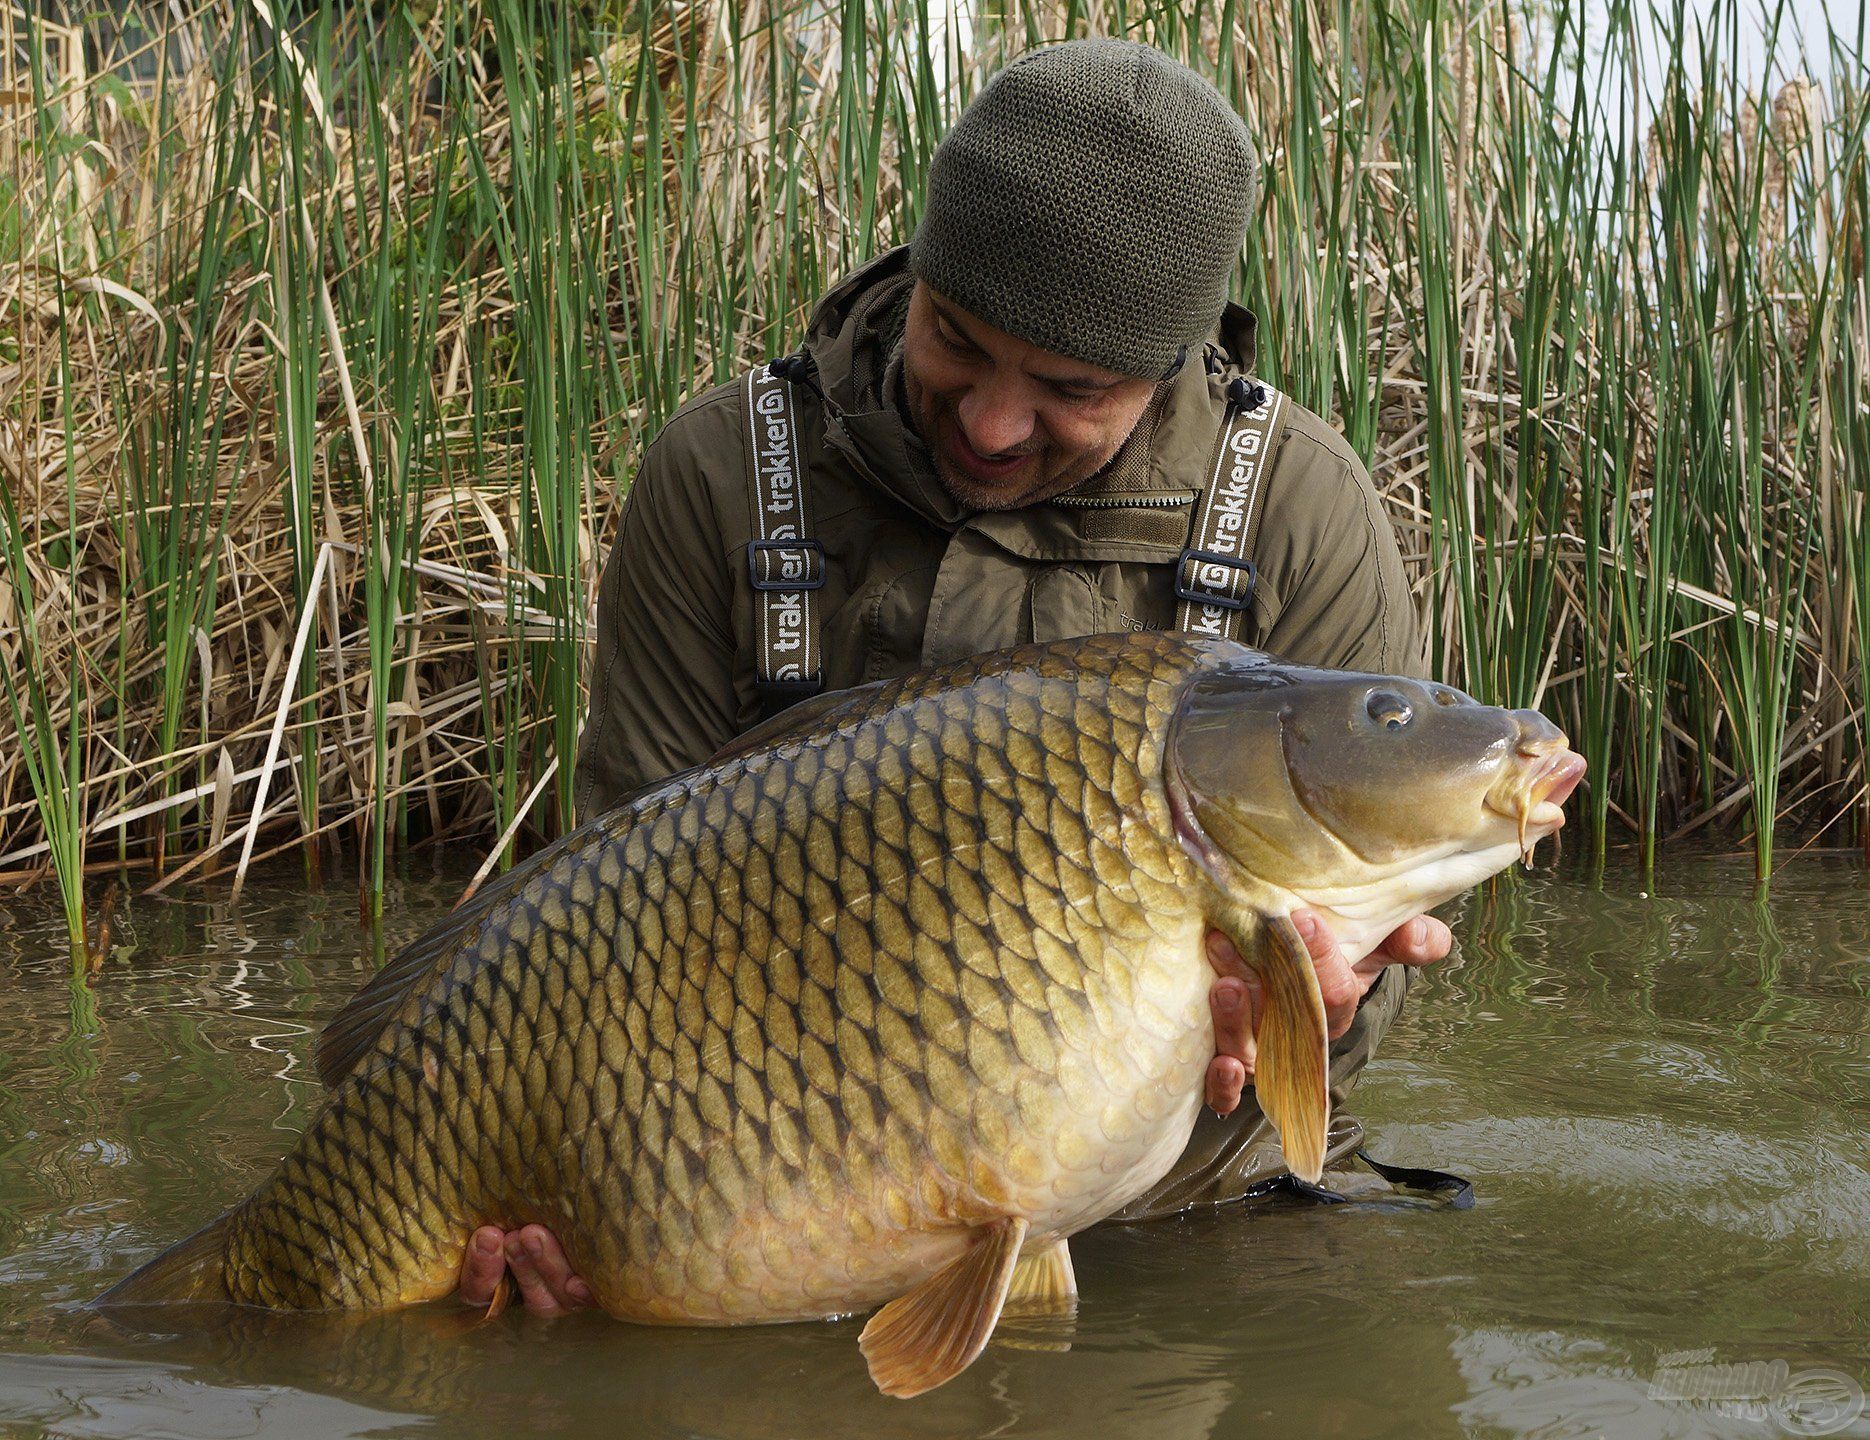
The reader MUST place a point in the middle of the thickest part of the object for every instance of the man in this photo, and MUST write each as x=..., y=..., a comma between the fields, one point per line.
x=1007, y=432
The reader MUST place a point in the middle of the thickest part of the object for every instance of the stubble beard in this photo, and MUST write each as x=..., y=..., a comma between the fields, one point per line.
x=983, y=495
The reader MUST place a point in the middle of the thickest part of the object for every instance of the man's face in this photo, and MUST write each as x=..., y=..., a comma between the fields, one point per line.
x=1009, y=424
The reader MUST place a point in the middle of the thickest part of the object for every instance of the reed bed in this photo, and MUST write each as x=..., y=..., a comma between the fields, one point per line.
x=329, y=340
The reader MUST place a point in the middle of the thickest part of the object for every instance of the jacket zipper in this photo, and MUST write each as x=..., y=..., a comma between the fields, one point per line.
x=1120, y=502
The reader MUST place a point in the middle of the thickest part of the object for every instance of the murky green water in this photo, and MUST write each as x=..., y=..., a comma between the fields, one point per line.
x=1663, y=1100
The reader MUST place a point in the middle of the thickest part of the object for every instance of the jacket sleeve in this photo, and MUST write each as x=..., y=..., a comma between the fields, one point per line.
x=1345, y=601
x=662, y=680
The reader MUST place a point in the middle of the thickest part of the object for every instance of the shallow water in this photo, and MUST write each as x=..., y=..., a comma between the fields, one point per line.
x=1663, y=1100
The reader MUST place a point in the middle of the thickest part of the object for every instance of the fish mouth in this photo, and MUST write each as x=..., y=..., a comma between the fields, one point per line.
x=1535, y=802
x=1552, y=786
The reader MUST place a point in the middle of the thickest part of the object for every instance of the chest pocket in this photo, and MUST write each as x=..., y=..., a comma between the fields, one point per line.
x=985, y=599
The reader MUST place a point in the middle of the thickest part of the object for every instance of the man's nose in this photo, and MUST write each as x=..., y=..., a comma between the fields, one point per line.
x=995, y=419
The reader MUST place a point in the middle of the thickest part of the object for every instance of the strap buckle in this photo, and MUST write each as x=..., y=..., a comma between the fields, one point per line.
x=1192, y=591
x=759, y=570
x=789, y=691
x=778, y=696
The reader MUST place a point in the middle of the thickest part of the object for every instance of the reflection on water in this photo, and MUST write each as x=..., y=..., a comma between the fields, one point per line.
x=1664, y=1101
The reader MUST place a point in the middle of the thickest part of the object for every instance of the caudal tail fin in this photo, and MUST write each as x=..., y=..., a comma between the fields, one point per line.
x=191, y=1269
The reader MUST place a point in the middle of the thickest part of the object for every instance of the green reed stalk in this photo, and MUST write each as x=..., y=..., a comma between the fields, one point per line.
x=1610, y=423
x=1521, y=508
x=1674, y=339
x=1841, y=216
x=54, y=763
x=392, y=303
x=499, y=657
x=300, y=216
x=1604, y=379
x=1850, y=381
x=1300, y=275
x=664, y=332
x=1772, y=403
x=1606, y=456
x=1432, y=178
x=540, y=229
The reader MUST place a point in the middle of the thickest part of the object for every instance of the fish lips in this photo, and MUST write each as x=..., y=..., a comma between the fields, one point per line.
x=1537, y=799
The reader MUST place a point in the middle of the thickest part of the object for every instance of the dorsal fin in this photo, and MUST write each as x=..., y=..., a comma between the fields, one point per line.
x=805, y=715
x=354, y=1029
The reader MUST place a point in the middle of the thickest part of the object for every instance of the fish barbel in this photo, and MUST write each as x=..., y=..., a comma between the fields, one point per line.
x=888, y=1000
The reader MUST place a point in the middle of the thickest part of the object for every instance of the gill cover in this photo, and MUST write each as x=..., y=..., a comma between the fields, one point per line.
x=1228, y=725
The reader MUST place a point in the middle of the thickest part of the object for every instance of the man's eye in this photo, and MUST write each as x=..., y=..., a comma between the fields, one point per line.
x=954, y=343
x=1076, y=397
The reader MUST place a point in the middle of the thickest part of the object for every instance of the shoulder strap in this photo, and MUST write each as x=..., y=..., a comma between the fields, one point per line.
x=784, y=564
x=1214, y=575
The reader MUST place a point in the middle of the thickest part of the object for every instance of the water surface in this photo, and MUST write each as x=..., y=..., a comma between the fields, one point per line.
x=1663, y=1100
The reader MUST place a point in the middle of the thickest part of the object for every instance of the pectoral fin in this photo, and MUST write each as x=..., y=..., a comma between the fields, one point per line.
x=1043, y=1283
x=1291, y=1065
x=929, y=1336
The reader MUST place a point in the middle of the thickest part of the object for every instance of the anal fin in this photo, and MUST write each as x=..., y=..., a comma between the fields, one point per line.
x=933, y=1333
x=1043, y=1283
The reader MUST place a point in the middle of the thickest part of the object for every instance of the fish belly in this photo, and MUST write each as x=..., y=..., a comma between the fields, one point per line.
x=880, y=1199
x=704, y=1179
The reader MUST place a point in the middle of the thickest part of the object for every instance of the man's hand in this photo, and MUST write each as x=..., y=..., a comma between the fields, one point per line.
x=1235, y=998
x=539, y=1268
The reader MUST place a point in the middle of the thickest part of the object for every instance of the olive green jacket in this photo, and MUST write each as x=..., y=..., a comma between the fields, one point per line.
x=914, y=578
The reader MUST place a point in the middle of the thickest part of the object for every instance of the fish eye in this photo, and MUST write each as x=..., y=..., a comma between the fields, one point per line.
x=1389, y=709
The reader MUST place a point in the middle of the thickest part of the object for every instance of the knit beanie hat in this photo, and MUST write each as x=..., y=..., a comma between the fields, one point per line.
x=1091, y=200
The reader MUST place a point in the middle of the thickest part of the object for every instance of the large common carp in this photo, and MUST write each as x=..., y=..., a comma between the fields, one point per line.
x=888, y=1000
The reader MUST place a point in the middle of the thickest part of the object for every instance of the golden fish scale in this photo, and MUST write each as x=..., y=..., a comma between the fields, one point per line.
x=769, y=1041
